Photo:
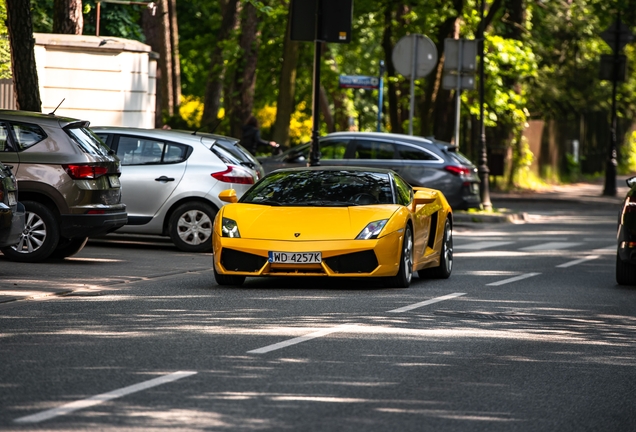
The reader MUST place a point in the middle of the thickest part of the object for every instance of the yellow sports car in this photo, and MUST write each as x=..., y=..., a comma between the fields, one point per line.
x=333, y=221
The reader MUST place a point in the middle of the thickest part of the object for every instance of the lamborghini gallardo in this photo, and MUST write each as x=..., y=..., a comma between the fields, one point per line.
x=333, y=222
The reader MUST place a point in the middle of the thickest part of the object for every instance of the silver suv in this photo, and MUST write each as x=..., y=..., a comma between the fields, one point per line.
x=68, y=182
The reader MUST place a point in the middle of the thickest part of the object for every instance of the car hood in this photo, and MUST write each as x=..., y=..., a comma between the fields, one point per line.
x=262, y=222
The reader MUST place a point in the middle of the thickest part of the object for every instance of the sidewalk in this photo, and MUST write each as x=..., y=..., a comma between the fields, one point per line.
x=514, y=203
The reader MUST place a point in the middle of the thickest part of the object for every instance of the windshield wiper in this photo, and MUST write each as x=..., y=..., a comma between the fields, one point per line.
x=266, y=202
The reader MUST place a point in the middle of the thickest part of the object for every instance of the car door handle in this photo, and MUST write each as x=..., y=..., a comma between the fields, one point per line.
x=164, y=179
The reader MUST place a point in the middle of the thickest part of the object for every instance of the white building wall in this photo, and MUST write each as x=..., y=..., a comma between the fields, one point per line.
x=108, y=81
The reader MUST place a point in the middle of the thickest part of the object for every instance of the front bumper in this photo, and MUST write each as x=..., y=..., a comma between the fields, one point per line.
x=11, y=224
x=340, y=258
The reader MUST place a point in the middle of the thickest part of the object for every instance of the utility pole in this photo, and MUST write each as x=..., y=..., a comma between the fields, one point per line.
x=482, y=169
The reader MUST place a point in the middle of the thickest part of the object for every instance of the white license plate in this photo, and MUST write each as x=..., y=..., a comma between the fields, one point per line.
x=295, y=257
x=474, y=188
x=114, y=181
x=12, y=200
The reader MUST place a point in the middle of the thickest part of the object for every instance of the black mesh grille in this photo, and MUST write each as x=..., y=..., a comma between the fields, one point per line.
x=234, y=260
x=358, y=262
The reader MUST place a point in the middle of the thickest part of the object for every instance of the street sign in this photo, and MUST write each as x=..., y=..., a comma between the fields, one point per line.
x=359, y=82
x=468, y=54
x=414, y=53
x=449, y=81
x=619, y=29
x=608, y=63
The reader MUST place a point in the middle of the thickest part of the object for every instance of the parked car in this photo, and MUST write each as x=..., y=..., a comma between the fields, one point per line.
x=422, y=162
x=626, y=252
x=233, y=146
x=11, y=211
x=68, y=182
x=171, y=180
x=336, y=222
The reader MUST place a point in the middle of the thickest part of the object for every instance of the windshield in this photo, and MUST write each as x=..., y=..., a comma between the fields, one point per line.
x=321, y=188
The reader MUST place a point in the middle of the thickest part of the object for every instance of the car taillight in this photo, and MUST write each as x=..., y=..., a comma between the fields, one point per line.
x=458, y=171
x=630, y=205
x=234, y=175
x=84, y=172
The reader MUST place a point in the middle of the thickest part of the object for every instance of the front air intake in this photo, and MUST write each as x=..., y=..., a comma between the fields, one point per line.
x=233, y=260
x=357, y=262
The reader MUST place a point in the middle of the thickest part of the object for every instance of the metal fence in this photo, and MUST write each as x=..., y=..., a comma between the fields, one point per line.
x=7, y=98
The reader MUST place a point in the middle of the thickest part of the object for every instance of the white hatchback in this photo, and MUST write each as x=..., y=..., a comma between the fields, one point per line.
x=171, y=180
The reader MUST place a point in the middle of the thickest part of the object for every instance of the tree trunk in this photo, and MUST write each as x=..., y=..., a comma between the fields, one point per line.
x=25, y=74
x=242, y=104
x=152, y=29
x=214, y=86
x=176, y=62
x=387, y=45
x=68, y=17
x=287, y=89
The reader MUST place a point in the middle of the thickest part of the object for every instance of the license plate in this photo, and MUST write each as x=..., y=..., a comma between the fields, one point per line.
x=295, y=257
x=474, y=188
x=12, y=200
x=114, y=181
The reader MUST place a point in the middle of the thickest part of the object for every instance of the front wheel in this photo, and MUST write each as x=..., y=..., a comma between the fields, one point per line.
x=443, y=271
x=190, y=227
x=40, y=236
x=228, y=280
x=405, y=273
x=625, y=272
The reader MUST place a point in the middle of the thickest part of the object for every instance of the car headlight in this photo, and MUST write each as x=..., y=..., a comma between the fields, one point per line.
x=372, y=230
x=229, y=228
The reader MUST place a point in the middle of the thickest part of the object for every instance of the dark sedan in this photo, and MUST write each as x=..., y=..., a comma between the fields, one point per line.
x=420, y=161
x=626, y=253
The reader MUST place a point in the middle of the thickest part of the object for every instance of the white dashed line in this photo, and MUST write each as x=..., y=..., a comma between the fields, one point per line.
x=578, y=261
x=101, y=398
x=300, y=339
x=427, y=302
x=513, y=279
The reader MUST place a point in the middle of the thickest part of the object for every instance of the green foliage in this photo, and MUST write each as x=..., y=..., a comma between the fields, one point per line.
x=627, y=162
x=5, y=53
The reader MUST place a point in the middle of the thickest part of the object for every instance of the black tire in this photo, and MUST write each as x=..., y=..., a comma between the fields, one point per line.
x=445, y=268
x=40, y=236
x=625, y=272
x=405, y=273
x=228, y=280
x=69, y=247
x=190, y=226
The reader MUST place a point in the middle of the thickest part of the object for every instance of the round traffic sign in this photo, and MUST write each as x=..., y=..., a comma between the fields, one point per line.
x=414, y=50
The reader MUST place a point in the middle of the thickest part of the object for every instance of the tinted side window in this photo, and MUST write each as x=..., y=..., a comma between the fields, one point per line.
x=333, y=149
x=138, y=151
x=4, y=134
x=404, y=191
x=27, y=135
x=368, y=149
x=414, y=153
x=175, y=153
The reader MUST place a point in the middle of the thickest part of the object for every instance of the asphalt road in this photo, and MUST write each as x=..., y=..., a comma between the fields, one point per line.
x=530, y=333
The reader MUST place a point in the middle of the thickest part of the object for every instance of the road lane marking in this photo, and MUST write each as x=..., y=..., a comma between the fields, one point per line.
x=427, y=302
x=482, y=245
x=101, y=398
x=513, y=279
x=578, y=261
x=550, y=246
x=301, y=339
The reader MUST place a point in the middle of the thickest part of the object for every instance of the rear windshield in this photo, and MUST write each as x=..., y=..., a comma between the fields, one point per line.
x=459, y=157
x=88, y=141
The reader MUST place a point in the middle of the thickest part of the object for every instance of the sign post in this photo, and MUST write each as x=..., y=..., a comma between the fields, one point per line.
x=616, y=36
x=459, y=71
x=414, y=56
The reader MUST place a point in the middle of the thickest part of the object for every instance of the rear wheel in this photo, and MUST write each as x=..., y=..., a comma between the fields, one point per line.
x=40, y=236
x=405, y=273
x=625, y=272
x=190, y=227
x=228, y=280
x=443, y=271
x=69, y=247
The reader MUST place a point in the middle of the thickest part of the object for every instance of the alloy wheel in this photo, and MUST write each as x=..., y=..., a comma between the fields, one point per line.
x=33, y=235
x=194, y=227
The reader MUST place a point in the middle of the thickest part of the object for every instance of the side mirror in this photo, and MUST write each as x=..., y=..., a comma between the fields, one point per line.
x=424, y=197
x=228, y=196
x=631, y=182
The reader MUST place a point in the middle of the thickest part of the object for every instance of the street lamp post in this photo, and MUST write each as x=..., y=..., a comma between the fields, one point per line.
x=482, y=169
